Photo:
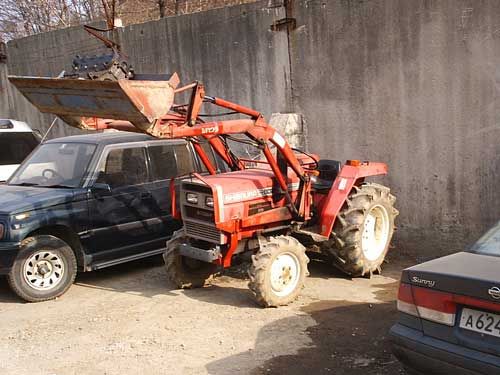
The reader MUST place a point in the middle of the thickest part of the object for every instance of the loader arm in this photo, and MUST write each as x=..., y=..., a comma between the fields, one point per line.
x=148, y=107
x=263, y=211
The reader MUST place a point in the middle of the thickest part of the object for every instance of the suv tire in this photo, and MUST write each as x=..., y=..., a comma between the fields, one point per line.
x=44, y=269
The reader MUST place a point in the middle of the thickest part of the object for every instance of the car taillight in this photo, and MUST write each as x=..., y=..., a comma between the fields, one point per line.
x=427, y=304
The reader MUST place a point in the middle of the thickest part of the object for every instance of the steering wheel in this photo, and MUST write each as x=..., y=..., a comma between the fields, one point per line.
x=52, y=172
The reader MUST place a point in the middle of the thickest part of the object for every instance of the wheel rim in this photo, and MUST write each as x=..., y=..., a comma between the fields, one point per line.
x=375, y=232
x=285, y=272
x=44, y=270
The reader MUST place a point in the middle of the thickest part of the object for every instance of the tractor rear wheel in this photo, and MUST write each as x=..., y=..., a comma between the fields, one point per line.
x=363, y=230
x=184, y=272
x=278, y=271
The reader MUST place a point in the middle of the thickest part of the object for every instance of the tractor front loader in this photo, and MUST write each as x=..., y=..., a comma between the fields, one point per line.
x=275, y=207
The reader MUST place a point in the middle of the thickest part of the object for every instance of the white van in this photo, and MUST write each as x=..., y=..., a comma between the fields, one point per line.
x=17, y=140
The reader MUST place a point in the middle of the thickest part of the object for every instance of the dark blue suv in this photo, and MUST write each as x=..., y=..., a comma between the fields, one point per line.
x=87, y=202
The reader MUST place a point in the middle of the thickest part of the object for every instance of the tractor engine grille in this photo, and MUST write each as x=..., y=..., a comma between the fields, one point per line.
x=203, y=232
x=198, y=218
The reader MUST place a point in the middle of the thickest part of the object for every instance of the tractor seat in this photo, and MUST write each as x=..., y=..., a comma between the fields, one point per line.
x=328, y=171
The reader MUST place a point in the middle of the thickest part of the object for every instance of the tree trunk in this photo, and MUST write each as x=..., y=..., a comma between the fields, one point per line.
x=161, y=5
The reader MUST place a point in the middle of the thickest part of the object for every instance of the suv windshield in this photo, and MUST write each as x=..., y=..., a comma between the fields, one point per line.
x=14, y=147
x=55, y=165
x=489, y=243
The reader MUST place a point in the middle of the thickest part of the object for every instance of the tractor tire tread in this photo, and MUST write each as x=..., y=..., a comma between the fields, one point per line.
x=345, y=242
x=176, y=272
x=257, y=273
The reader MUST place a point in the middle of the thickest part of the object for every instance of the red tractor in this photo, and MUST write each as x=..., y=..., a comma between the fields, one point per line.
x=276, y=207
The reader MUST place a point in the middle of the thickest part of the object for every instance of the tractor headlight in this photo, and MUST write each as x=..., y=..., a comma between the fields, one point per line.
x=209, y=201
x=192, y=198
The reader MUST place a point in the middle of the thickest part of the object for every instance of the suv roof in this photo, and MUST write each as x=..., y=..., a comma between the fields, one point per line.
x=105, y=138
x=9, y=125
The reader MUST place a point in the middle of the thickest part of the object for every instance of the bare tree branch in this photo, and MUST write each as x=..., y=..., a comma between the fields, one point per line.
x=19, y=18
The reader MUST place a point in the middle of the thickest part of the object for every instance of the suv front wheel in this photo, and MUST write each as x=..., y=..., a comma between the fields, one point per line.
x=44, y=269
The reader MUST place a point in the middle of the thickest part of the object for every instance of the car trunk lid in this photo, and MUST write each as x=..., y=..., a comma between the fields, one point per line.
x=456, y=297
x=462, y=273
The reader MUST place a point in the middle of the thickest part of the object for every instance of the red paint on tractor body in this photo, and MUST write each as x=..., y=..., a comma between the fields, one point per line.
x=248, y=201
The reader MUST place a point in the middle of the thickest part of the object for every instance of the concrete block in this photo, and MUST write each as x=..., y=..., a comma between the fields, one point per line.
x=292, y=127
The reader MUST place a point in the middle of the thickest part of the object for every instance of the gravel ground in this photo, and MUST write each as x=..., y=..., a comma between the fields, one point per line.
x=128, y=320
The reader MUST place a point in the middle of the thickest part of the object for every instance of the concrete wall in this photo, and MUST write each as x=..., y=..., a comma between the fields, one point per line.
x=4, y=95
x=413, y=83
x=231, y=50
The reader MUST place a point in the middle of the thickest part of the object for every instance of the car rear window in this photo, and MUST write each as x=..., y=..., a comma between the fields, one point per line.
x=489, y=243
x=15, y=147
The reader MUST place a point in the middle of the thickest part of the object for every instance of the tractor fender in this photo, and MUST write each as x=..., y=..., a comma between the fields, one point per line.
x=341, y=188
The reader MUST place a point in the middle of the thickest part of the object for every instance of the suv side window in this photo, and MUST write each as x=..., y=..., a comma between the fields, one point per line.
x=168, y=161
x=124, y=167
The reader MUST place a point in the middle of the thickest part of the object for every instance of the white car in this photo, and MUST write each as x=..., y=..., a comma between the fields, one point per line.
x=17, y=140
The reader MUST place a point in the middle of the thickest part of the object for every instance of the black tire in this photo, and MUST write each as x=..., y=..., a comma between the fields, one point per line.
x=42, y=254
x=183, y=272
x=346, y=243
x=260, y=272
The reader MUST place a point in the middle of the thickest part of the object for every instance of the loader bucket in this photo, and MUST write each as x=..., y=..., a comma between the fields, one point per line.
x=140, y=102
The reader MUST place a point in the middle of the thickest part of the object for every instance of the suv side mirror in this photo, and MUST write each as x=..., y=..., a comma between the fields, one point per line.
x=101, y=189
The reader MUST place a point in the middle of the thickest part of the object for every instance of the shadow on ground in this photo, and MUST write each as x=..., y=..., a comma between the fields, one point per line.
x=147, y=278
x=348, y=338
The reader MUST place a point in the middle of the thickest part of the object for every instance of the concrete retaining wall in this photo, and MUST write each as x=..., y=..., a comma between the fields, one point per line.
x=413, y=83
x=231, y=50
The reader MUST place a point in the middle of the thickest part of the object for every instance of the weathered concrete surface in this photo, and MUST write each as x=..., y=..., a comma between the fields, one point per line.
x=4, y=94
x=292, y=127
x=414, y=83
x=231, y=50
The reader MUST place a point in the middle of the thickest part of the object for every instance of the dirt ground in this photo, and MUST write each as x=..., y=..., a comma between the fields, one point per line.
x=128, y=320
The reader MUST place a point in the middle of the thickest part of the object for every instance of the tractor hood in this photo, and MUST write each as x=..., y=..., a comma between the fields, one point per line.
x=247, y=185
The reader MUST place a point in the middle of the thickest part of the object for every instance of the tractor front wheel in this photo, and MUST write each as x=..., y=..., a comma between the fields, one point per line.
x=278, y=271
x=363, y=230
x=184, y=272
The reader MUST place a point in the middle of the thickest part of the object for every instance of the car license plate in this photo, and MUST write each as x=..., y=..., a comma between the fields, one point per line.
x=480, y=321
